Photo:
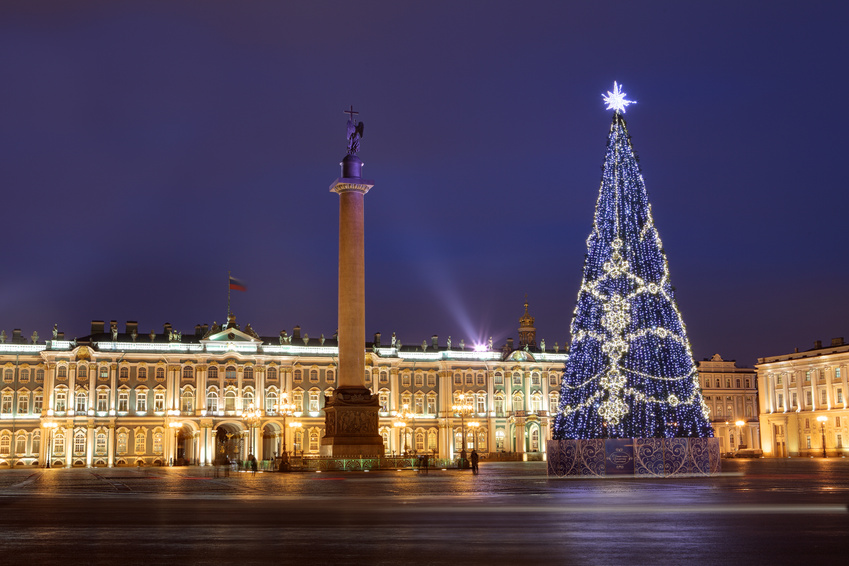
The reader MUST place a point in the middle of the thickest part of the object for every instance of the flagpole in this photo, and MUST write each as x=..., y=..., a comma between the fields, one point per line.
x=228, y=296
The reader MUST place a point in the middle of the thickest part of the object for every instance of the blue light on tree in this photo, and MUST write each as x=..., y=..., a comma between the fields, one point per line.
x=630, y=372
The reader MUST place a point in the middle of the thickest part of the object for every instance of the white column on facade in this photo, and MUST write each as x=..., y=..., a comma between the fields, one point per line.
x=113, y=391
x=49, y=386
x=519, y=434
x=394, y=390
x=110, y=447
x=240, y=393
x=828, y=388
x=844, y=377
x=72, y=385
x=200, y=391
x=69, y=444
x=259, y=393
x=89, y=444
x=92, y=396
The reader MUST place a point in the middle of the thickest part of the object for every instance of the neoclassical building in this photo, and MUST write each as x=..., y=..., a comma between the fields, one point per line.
x=803, y=401
x=124, y=399
x=731, y=394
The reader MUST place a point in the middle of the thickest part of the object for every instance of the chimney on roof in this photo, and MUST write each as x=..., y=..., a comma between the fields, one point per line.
x=16, y=336
x=198, y=330
x=132, y=325
x=60, y=335
x=377, y=339
x=204, y=329
x=166, y=329
x=510, y=345
x=97, y=327
x=817, y=344
x=434, y=340
x=296, y=333
x=837, y=341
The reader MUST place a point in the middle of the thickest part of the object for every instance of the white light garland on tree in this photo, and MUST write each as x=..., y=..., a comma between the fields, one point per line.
x=630, y=371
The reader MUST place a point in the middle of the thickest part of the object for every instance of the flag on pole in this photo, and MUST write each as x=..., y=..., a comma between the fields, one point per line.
x=237, y=284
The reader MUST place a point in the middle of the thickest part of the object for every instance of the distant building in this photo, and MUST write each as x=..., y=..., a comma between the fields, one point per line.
x=126, y=399
x=803, y=401
x=731, y=394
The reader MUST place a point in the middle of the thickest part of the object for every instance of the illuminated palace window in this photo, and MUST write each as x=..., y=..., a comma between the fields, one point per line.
x=230, y=400
x=82, y=371
x=141, y=441
x=420, y=383
x=100, y=443
x=313, y=404
x=20, y=444
x=384, y=401
x=157, y=443
x=480, y=406
x=420, y=441
x=123, y=401
x=270, y=400
x=122, y=442
x=160, y=374
x=188, y=373
x=431, y=405
x=124, y=374
x=142, y=373
x=59, y=443
x=37, y=400
x=271, y=374
x=431, y=379
x=212, y=372
x=313, y=441
x=141, y=400
x=248, y=373
x=24, y=376
x=80, y=404
x=431, y=440
x=187, y=401
x=6, y=405
x=159, y=401
x=61, y=404
x=212, y=401
x=5, y=444
x=79, y=443
x=102, y=400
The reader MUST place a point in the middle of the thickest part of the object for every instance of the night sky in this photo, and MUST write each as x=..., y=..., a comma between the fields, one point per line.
x=146, y=148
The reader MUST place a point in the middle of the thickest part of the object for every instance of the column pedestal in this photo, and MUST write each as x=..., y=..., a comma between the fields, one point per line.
x=351, y=424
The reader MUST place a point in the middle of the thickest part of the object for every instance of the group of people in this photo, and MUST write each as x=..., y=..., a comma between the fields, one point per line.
x=474, y=458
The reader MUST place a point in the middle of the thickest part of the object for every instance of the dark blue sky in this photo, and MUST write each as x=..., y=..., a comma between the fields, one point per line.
x=146, y=148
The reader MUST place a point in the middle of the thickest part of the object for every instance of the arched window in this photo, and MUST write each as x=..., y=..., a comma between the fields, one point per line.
x=535, y=440
x=499, y=405
x=271, y=374
x=188, y=372
x=39, y=375
x=431, y=440
x=142, y=373
x=79, y=443
x=61, y=401
x=124, y=374
x=5, y=444
x=518, y=402
x=24, y=375
x=212, y=372
x=248, y=373
x=553, y=401
x=247, y=399
x=313, y=376
x=58, y=442
x=122, y=439
x=230, y=372
x=100, y=443
x=160, y=374
x=314, y=441
x=270, y=400
x=314, y=401
x=62, y=372
x=297, y=376
x=187, y=401
x=420, y=441
x=157, y=443
x=499, y=440
x=230, y=400
x=212, y=401
x=82, y=370
x=141, y=400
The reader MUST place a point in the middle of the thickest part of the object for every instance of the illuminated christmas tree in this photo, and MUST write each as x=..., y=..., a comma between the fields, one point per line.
x=630, y=372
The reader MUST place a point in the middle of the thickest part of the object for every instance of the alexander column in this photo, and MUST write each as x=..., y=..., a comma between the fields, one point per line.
x=351, y=414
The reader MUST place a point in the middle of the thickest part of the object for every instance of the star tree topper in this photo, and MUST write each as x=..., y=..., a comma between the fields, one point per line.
x=616, y=100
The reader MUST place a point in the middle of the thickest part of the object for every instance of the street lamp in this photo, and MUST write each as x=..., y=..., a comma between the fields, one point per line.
x=402, y=417
x=176, y=426
x=739, y=434
x=463, y=408
x=252, y=416
x=284, y=409
x=50, y=426
x=822, y=419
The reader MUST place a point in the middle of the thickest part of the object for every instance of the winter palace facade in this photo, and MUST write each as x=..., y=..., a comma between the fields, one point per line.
x=125, y=399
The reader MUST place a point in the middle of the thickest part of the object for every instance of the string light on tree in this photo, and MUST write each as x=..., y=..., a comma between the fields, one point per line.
x=630, y=371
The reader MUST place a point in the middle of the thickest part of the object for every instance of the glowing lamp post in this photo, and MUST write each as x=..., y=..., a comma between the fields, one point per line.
x=463, y=408
x=50, y=426
x=822, y=419
x=252, y=416
x=739, y=434
x=284, y=409
x=175, y=426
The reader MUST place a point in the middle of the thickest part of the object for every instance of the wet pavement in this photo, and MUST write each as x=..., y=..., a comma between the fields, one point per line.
x=759, y=511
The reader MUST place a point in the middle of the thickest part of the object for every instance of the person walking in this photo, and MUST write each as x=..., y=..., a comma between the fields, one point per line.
x=474, y=459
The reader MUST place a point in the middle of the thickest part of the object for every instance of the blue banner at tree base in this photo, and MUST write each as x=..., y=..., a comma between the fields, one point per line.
x=634, y=457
